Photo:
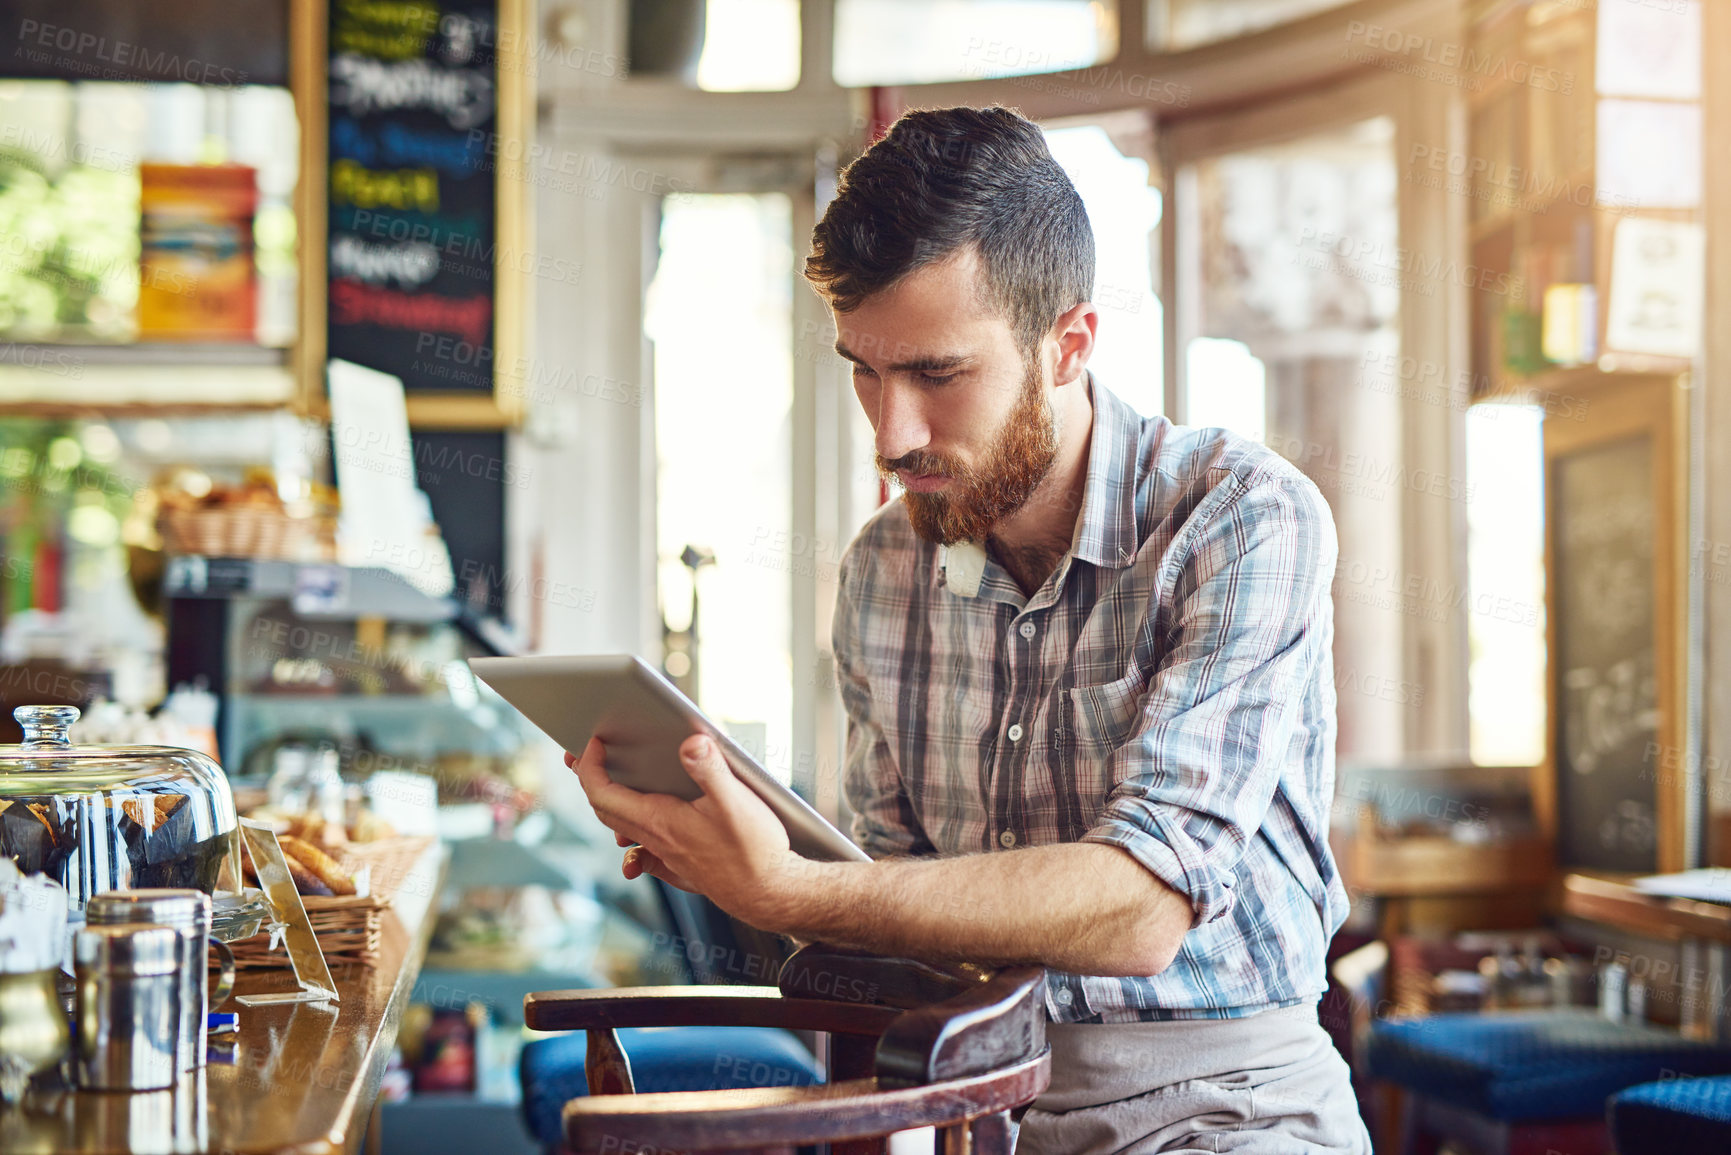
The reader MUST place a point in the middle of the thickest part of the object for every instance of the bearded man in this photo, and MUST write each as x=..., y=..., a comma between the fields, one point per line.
x=1086, y=665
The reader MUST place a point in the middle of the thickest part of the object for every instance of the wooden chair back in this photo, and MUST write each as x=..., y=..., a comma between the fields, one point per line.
x=912, y=1045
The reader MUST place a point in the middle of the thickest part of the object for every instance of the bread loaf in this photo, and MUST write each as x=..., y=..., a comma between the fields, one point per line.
x=321, y=865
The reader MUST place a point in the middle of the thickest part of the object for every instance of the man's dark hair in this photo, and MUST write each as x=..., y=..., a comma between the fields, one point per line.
x=943, y=180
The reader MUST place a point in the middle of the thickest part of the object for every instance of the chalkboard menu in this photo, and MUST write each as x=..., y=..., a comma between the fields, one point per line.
x=413, y=223
x=1605, y=668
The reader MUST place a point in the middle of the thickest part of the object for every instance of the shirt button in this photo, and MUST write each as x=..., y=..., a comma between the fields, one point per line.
x=1064, y=996
x=1007, y=839
x=1027, y=629
x=1016, y=732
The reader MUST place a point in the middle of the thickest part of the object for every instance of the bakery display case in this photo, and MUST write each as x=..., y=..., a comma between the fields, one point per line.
x=342, y=691
x=355, y=659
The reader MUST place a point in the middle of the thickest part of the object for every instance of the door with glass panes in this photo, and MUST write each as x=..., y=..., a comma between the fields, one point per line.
x=1304, y=277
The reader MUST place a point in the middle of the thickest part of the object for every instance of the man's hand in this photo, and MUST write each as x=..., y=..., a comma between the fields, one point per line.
x=726, y=845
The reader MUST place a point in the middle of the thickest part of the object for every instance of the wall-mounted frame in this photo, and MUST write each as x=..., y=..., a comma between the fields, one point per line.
x=489, y=357
x=1617, y=791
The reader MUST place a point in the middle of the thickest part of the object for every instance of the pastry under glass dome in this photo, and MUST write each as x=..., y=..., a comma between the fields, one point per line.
x=99, y=818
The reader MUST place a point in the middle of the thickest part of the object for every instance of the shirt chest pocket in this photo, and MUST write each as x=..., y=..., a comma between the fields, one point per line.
x=1105, y=716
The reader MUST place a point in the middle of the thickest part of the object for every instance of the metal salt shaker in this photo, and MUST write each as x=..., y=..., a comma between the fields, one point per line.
x=188, y=913
x=128, y=1003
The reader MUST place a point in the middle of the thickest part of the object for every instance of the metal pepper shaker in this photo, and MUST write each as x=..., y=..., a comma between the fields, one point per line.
x=128, y=1006
x=188, y=912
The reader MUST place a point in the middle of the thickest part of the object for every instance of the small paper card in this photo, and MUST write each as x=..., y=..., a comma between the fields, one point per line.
x=305, y=956
x=1658, y=278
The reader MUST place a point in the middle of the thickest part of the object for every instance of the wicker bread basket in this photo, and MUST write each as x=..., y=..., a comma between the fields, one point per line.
x=245, y=530
x=347, y=926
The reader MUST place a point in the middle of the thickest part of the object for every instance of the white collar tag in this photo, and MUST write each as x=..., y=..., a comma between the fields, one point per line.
x=964, y=568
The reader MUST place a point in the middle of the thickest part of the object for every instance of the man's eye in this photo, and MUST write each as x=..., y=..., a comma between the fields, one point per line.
x=938, y=378
x=862, y=371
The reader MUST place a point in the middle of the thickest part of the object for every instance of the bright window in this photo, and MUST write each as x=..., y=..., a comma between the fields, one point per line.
x=69, y=197
x=1227, y=386
x=1174, y=25
x=1124, y=212
x=750, y=46
x=720, y=314
x=924, y=41
x=1506, y=580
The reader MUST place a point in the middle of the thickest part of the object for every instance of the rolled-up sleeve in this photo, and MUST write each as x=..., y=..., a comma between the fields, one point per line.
x=1248, y=634
x=884, y=822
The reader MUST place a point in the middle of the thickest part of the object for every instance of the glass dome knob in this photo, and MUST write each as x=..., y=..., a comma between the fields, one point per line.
x=46, y=727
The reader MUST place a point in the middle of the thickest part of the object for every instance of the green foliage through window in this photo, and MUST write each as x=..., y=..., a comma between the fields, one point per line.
x=68, y=250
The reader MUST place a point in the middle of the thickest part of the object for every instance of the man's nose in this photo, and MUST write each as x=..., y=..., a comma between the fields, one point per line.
x=901, y=424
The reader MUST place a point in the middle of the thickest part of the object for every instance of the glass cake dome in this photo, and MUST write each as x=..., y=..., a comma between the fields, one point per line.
x=100, y=818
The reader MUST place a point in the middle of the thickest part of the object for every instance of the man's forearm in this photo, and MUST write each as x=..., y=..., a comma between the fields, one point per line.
x=1087, y=908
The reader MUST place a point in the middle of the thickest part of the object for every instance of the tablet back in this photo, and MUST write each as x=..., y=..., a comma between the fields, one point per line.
x=642, y=717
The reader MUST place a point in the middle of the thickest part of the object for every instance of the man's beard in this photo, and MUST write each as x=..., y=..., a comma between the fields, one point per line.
x=979, y=498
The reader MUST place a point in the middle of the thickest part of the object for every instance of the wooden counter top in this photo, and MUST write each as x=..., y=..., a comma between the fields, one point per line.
x=304, y=1076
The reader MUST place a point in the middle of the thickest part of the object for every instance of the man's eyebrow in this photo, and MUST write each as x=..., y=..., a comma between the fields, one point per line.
x=933, y=363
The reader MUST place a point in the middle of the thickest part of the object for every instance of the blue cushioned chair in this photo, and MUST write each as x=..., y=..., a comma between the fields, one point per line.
x=663, y=1059
x=1673, y=1117
x=1515, y=1081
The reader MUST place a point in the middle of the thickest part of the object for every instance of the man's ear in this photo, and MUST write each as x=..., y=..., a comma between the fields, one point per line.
x=1073, y=332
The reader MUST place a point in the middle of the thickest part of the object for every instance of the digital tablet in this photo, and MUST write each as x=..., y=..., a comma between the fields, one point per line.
x=643, y=718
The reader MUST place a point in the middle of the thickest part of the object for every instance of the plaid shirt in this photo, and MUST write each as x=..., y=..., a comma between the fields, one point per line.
x=1168, y=690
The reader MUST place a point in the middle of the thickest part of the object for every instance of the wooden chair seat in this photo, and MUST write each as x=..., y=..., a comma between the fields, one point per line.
x=911, y=1045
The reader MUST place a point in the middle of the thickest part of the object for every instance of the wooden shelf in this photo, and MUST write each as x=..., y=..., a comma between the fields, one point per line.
x=1579, y=381
x=1411, y=866
x=1612, y=899
x=28, y=354
x=143, y=379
